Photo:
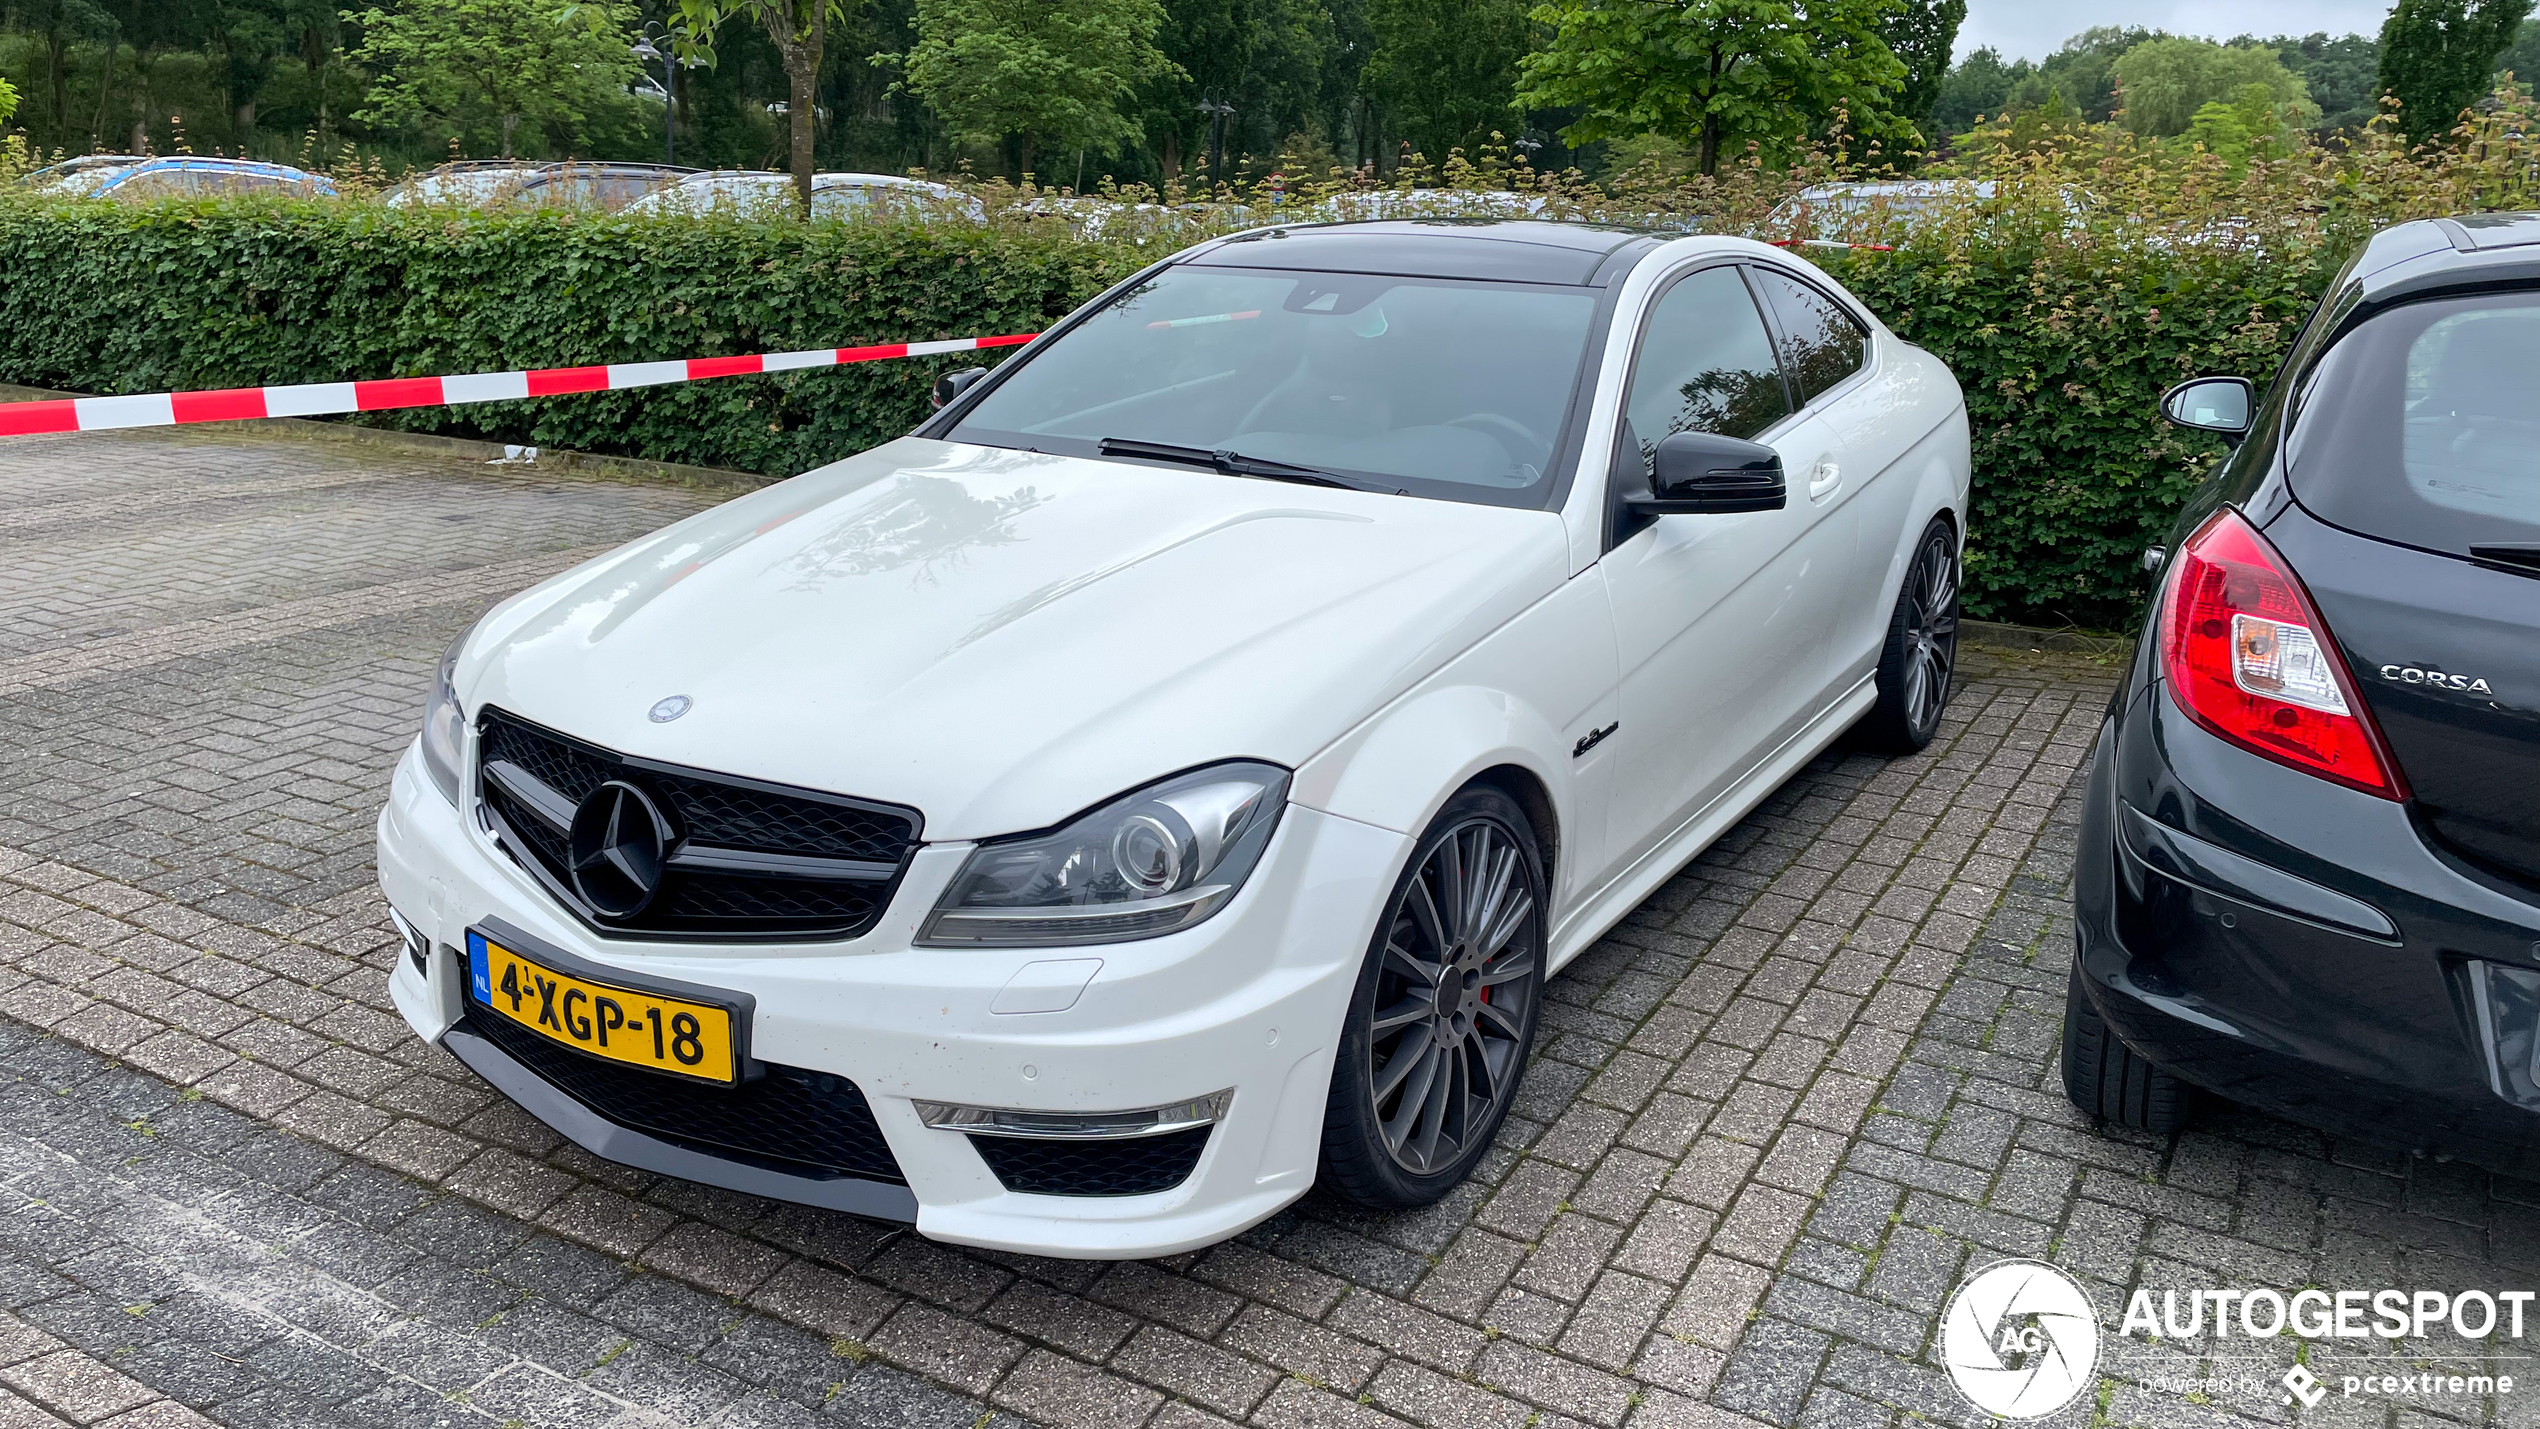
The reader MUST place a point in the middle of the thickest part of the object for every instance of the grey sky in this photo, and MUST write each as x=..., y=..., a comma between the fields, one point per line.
x=2031, y=28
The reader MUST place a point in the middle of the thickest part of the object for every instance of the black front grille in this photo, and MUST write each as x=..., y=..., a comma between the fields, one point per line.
x=1112, y=1166
x=793, y=1120
x=768, y=842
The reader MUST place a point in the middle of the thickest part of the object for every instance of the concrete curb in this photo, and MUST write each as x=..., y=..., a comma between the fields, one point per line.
x=550, y=459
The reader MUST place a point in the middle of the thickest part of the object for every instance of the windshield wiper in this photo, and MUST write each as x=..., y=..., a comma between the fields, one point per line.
x=1229, y=462
x=2522, y=556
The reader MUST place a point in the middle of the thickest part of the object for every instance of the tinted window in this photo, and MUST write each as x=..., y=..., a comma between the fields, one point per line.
x=1705, y=365
x=2422, y=426
x=619, y=190
x=578, y=187
x=1437, y=387
x=1821, y=343
x=198, y=183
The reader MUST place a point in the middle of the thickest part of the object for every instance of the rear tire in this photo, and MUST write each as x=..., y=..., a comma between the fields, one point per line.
x=2107, y=1079
x=1921, y=653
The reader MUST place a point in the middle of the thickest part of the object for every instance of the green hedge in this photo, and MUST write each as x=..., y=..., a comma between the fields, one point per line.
x=2063, y=349
x=99, y=297
x=2063, y=354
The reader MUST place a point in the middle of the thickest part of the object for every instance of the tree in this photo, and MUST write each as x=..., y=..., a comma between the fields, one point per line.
x=800, y=31
x=2338, y=72
x=2522, y=58
x=2082, y=71
x=2437, y=56
x=58, y=24
x=1921, y=35
x=1267, y=58
x=466, y=62
x=1980, y=84
x=1715, y=74
x=1058, y=70
x=2165, y=82
x=1445, y=70
x=8, y=100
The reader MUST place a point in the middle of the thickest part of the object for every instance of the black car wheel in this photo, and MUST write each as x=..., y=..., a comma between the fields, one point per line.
x=2107, y=1079
x=1443, y=1015
x=1922, y=647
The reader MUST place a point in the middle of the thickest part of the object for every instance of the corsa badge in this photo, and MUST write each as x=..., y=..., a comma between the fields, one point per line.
x=2412, y=675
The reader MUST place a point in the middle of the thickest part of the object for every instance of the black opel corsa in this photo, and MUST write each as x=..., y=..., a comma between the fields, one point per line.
x=2309, y=871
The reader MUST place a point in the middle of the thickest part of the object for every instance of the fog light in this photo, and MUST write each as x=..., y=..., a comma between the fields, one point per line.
x=1077, y=1125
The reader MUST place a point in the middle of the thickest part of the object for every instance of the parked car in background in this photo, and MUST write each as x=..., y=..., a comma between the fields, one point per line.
x=2309, y=873
x=1825, y=208
x=143, y=176
x=1369, y=204
x=754, y=192
x=495, y=183
x=1165, y=779
x=1094, y=216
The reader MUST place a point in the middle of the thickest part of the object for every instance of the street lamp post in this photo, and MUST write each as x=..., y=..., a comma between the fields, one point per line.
x=654, y=44
x=1216, y=110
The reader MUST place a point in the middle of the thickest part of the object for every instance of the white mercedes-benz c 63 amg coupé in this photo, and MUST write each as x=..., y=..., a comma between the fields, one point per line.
x=1166, y=778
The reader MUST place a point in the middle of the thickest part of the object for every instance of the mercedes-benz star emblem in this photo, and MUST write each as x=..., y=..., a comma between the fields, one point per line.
x=618, y=847
x=669, y=709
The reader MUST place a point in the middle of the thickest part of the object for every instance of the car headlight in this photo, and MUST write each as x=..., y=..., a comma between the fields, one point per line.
x=1151, y=862
x=445, y=728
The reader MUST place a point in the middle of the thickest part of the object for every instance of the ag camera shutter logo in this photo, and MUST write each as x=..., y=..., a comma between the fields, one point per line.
x=2019, y=1339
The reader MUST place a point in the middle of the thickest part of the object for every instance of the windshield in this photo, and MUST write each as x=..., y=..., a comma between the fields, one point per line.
x=1437, y=388
x=2420, y=426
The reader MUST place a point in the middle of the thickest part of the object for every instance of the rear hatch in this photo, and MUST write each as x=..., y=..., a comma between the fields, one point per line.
x=2416, y=448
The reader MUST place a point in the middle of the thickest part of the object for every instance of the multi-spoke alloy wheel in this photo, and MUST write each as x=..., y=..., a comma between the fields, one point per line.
x=1444, y=1011
x=1922, y=646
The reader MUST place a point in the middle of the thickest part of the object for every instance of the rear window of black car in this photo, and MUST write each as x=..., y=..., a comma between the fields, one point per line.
x=2423, y=425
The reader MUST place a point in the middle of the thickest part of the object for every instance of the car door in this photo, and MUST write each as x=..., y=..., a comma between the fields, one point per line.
x=1720, y=620
x=1827, y=352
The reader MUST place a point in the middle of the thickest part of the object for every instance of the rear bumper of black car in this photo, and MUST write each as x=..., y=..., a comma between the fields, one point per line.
x=2298, y=947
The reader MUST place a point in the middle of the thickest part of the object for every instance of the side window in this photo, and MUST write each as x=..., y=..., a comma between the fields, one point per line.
x=846, y=202
x=1821, y=343
x=1705, y=365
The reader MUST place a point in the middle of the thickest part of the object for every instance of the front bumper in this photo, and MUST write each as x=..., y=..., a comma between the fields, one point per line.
x=1250, y=1000
x=2297, y=946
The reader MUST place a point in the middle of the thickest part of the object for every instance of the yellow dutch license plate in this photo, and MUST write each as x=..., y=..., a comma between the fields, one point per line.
x=622, y=1024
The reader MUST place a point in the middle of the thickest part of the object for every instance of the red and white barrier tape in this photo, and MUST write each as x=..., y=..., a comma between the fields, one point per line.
x=316, y=399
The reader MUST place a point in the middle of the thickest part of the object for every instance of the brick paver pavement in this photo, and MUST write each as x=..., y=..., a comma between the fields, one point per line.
x=1773, y=1119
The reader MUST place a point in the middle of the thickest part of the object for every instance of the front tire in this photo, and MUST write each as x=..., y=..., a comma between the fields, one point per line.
x=2108, y=1079
x=1443, y=1015
x=1921, y=653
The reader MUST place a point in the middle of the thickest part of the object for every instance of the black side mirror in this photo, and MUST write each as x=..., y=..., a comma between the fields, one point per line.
x=1704, y=472
x=2220, y=405
x=953, y=384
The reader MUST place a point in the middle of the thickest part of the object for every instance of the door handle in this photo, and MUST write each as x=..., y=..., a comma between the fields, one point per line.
x=1824, y=478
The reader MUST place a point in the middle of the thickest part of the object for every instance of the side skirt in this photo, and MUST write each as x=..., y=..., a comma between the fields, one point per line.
x=1608, y=906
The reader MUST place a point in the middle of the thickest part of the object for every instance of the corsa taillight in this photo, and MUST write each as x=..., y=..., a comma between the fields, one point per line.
x=2249, y=658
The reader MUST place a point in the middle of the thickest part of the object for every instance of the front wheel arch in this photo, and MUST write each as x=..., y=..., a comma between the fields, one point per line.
x=1443, y=1013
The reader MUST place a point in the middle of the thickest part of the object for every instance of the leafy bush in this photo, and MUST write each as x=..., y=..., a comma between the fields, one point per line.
x=2087, y=272
x=102, y=297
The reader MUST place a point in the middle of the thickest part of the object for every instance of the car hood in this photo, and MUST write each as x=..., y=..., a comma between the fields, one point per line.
x=1003, y=638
